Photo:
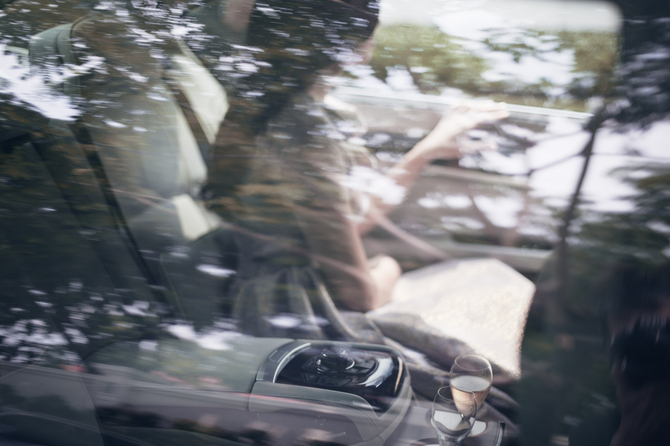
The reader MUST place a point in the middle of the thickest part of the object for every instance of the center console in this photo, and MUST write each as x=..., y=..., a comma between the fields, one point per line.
x=348, y=393
x=368, y=384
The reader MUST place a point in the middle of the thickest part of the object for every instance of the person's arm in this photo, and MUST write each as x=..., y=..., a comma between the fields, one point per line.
x=306, y=173
x=441, y=143
x=333, y=238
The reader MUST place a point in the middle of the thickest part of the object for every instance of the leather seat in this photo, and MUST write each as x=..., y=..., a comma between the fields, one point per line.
x=133, y=125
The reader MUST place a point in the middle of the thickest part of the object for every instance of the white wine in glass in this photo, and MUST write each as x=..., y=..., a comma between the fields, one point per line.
x=472, y=373
x=451, y=417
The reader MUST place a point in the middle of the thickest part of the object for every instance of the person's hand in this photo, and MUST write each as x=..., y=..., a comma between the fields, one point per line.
x=385, y=272
x=448, y=141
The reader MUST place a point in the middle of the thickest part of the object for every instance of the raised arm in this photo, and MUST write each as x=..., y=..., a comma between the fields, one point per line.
x=442, y=142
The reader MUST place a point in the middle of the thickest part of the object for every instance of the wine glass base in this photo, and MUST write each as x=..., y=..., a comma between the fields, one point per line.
x=479, y=428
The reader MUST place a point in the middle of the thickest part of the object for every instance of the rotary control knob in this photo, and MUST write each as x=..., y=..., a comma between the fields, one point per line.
x=334, y=359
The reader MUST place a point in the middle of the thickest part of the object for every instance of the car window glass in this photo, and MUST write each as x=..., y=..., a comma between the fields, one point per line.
x=201, y=204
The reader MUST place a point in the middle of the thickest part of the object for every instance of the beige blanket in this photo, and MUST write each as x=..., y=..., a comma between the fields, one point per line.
x=482, y=302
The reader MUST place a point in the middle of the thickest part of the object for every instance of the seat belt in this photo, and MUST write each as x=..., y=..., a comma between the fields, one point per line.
x=200, y=96
x=192, y=120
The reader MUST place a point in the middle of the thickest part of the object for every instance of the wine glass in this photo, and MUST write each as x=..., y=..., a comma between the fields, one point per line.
x=472, y=373
x=453, y=415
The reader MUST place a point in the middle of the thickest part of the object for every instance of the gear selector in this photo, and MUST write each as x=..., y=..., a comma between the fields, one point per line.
x=334, y=359
x=371, y=373
x=366, y=384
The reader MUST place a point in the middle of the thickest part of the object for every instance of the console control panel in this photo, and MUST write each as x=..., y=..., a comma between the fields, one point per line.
x=374, y=375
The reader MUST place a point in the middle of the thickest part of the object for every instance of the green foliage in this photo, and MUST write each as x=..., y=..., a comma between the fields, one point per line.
x=596, y=54
x=433, y=59
x=603, y=239
x=653, y=199
x=436, y=60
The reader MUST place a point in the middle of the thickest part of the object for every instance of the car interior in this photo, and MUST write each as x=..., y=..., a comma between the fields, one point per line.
x=126, y=218
x=117, y=323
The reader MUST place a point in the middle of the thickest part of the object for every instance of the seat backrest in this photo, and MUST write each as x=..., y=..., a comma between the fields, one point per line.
x=133, y=123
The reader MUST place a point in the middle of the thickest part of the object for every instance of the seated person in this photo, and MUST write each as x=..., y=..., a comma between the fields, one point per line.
x=282, y=159
x=281, y=171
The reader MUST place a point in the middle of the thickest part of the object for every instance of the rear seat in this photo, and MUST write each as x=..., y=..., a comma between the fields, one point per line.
x=132, y=124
